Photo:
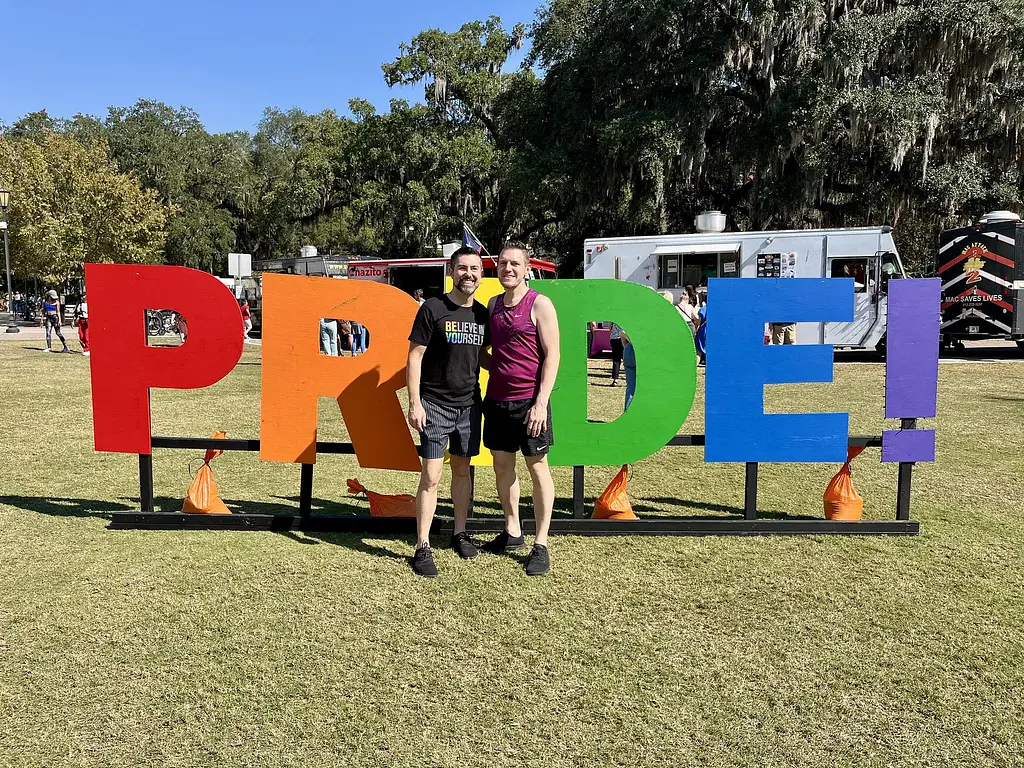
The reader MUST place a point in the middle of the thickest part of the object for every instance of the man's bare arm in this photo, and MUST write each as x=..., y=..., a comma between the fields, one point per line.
x=546, y=320
x=547, y=332
x=485, y=352
x=417, y=416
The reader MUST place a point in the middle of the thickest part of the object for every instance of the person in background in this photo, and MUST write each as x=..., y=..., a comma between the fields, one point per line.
x=701, y=339
x=783, y=333
x=629, y=364
x=688, y=308
x=329, y=337
x=81, y=319
x=344, y=335
x=357, y=338
x=418, y=295
x=615, y=339
x=246, y=318
x=52, y=319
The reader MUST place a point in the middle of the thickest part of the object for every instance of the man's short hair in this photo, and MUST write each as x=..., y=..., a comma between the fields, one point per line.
x=515, y=245
x=463, y=251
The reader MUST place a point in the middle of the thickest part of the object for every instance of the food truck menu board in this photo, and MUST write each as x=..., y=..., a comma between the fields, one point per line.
x=769, y=265
x=776, y=265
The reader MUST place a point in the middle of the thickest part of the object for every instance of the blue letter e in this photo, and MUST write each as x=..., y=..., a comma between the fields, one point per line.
x=739, y=364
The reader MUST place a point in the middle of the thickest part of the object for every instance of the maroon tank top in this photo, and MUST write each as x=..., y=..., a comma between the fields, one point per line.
x=516, y=355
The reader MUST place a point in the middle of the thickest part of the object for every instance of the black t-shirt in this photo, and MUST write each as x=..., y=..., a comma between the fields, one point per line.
x=453, y=336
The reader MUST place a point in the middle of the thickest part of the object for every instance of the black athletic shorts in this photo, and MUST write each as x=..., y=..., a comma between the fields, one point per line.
x=455, y=428
x=505, y=428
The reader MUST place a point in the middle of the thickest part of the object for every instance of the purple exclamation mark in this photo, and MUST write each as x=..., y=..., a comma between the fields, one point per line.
x=912, y=366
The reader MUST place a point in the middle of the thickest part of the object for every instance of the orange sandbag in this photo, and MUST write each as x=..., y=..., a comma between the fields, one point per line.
x=614, y=502
x=202, y=497
x=384, y=505
x=842, y=502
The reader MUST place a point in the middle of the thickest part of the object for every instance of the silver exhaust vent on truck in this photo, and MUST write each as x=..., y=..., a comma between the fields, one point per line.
x=996, y=216
x=710, y=221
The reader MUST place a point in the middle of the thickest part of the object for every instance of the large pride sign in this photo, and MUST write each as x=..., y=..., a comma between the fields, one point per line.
x=295, y=374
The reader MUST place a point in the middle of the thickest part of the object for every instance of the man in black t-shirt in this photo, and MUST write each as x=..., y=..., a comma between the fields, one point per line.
x=444, y=400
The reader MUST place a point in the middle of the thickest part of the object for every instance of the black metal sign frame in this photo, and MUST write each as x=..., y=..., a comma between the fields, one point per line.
x=578, y=525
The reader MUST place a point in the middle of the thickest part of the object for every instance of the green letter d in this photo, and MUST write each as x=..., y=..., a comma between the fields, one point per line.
x=666, y=371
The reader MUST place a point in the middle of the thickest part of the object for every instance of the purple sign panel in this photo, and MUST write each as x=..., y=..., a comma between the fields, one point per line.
x=912, y=348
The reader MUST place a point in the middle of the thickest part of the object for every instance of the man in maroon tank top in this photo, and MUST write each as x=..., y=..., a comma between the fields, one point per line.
x=523, y=363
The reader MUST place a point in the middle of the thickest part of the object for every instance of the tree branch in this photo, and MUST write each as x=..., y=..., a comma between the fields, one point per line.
x=522, y=235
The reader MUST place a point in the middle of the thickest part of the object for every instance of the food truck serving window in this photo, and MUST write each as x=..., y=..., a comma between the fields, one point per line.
x=857, y=268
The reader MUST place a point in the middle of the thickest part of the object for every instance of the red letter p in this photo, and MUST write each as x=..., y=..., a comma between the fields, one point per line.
x=124, y=367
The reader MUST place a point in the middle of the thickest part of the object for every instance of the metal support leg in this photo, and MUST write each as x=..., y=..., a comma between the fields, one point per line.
x=146, y=482
x=903, y=491
x=750, y=492
x=577, y=492
x=472, y=488
x=904, y=478
x=306, y=490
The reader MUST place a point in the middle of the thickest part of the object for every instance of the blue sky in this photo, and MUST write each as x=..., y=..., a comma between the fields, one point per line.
x=226, y=59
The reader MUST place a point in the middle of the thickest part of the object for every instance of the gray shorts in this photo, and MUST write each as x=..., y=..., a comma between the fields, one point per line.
x=457, y=425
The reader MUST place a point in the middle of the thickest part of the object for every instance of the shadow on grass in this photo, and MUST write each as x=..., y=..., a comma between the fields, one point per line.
x=240, y=506
x=69, y=507
x=710, y=506
x=562, y=508
x=354, y=541
x=65, y=507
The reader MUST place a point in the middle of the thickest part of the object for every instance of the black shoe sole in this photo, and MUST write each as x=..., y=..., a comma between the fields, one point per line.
x=545, y=572
x=425, y=575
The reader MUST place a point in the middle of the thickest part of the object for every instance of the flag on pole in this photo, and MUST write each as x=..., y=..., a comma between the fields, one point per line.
x=469, y=240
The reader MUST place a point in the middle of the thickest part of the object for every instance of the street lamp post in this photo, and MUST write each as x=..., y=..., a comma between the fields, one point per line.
x=5, y=200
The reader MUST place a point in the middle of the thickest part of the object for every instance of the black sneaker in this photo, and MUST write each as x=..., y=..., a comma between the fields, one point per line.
x=423, y=562
x=464, y=546
x=538, y=563
x=503, y=543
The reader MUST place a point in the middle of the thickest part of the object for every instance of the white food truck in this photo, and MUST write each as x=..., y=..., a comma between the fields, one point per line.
x=671, y=262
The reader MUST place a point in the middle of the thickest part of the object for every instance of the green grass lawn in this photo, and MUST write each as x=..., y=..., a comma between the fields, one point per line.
x=164, y=648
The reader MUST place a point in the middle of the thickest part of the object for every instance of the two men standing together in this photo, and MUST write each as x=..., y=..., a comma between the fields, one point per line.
x=516, y=339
